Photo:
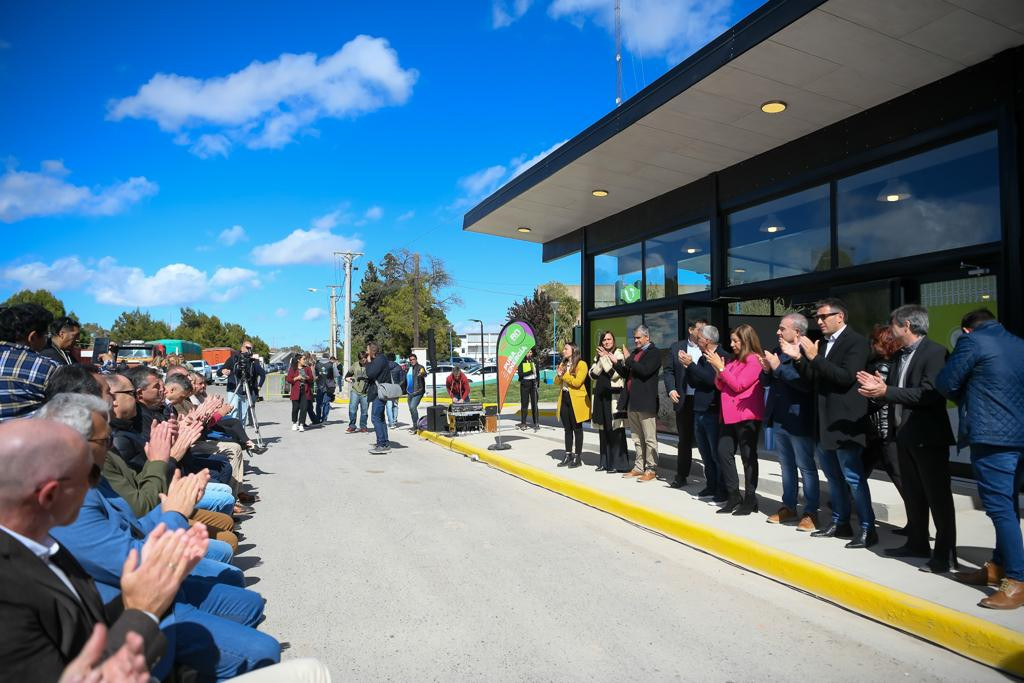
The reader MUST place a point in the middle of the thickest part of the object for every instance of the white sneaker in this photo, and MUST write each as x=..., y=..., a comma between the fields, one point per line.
x=295, y=427
x=302, y=428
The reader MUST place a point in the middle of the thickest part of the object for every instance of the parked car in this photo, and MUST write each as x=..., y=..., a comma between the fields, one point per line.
x=217, y=378
x=203, y=368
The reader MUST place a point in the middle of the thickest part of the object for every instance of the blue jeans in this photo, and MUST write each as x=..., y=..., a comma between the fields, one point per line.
x=379, y=425
x=797, y=452
x=218, y=498
x=705, y=433
x=844, y=471
x=998, y=470
x=212, y=630
x=391, y=407
x=355, y=401
x=239, y=407
x=414, y=409
x=324, y=406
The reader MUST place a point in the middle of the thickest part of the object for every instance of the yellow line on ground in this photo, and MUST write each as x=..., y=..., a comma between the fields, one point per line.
x=962, y=633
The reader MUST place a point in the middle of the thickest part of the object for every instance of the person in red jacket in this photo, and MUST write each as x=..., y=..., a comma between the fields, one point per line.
x=300, y=379
x=457, y=385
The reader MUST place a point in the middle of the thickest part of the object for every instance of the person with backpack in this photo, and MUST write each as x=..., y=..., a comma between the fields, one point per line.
x=378, y=375
x=326, y=385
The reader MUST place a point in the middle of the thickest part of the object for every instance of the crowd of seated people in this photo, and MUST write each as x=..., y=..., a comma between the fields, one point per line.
x=118, y=512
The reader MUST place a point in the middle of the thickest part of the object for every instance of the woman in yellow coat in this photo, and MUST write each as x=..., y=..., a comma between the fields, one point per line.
x=572, y=375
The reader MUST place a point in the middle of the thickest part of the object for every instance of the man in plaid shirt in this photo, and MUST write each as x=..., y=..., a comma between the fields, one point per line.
x=23, y=371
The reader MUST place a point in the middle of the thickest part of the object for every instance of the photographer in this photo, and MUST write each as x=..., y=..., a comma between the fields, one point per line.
x=240, y=368
x=326, y=386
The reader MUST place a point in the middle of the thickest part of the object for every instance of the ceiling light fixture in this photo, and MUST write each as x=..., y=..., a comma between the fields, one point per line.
x=740, y=270
x=692, y=250
x=523, y=229
x=894, y=191
x=772, y=225
x=600, y=193
x=774, y=107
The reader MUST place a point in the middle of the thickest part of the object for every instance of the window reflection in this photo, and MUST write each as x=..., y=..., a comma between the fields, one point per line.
x=679, y=262
x=617, y=277
x=940, y=199
x=783, y=237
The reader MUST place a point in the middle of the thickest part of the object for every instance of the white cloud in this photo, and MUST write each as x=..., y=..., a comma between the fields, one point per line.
x=674, y=29
x=373, y=213
x=281, y=313
x=316, y=245
x=24, y=194
x=478, y=185
x=111, y=283
x=408, y=215
x=267, y=104
x=504, y=13
x=233, y=235
x=314, y=314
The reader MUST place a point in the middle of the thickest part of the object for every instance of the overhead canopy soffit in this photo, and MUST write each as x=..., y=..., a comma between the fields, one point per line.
x=834, y=61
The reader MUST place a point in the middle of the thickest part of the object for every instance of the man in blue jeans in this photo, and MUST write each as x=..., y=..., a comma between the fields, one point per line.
x=790, y=413
x=377, y=371
x=356, y=379
x=707, y=412
x=831, y=367
x=415, y=387
x=985, y=376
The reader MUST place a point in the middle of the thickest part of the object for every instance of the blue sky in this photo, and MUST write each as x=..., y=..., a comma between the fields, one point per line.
x=214, y=154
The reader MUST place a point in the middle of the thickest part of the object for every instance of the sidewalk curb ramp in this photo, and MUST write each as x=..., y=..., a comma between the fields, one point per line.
x=962, y=633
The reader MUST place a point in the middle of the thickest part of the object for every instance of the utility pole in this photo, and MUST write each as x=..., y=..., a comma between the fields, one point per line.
x=348, y=257
x=334, y=317
x=416, y=301
x=618, y=53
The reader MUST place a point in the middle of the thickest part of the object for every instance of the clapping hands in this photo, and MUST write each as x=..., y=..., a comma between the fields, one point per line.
x=872, y=386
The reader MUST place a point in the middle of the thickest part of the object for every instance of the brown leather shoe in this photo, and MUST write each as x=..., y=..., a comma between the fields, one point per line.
x=1009, y=596
x=988, y=574
x=783, y=515
x=807, y=523
x=647, y=476
x=632, y=473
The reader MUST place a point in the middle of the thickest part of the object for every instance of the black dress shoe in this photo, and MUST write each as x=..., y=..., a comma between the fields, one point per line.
x=705, y=494
x=865, y=539
x=907, y=551
x=900, y=532
x=678, y=483
x=834, y=530
x=940, y=565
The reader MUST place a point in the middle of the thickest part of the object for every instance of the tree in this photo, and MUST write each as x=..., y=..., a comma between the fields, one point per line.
x=138, y=325
x=535, y=310
x=40, y=296
x=568, y=311
x=368, y=322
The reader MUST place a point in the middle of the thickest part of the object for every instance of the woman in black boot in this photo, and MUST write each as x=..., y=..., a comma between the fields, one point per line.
x=742, y=413
x=611, y=424
x=573, y=402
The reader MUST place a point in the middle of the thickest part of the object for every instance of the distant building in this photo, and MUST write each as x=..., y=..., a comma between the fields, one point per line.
x=470, y=346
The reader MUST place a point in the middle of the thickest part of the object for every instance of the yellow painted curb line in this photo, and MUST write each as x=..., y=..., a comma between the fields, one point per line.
x=962, y=633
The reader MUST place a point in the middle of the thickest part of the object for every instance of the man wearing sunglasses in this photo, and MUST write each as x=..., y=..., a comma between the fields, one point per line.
x=831, y=367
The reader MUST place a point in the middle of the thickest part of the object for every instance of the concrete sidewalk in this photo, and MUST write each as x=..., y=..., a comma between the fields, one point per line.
x=892, y=591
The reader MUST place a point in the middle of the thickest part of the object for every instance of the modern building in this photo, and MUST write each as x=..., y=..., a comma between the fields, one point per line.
x=470, y=345
x=866, y=149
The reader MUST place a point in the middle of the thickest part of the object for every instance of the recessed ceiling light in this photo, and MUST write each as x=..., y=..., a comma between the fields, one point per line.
x=773, y=107
x=740, y=270
x=522, y=229
x=600, y=193
x=894, y=191
x=692, y=250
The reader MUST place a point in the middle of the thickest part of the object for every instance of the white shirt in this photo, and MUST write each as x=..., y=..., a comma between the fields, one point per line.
x=695, y=353
x=44, y=553
x=832, y=340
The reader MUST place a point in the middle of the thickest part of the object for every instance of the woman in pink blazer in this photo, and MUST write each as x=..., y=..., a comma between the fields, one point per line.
x=742, y=412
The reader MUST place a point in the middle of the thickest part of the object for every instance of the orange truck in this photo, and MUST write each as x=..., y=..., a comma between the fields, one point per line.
x=217, y=354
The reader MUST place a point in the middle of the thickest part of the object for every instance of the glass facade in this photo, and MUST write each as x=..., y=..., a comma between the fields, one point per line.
x=783, y=237
x=941, y=199
x=618, y=276
x=678, y=262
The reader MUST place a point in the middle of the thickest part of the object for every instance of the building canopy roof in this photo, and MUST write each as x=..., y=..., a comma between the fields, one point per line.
x=826, y=59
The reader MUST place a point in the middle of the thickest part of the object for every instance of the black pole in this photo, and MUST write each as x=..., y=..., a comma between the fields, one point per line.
x=483, y=362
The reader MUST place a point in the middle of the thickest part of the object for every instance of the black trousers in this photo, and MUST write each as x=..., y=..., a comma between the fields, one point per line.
x=927, y=489
x=528, y=394
x=614, y=452
x=743, y=436
x=233, y=428
x=299, y=409
x=573, y=429
x=884, y=455
x=684, y=428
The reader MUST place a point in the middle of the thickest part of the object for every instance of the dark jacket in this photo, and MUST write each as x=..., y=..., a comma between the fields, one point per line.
x=641, y=394
x=257, y=375
x=528, y=375
x=985, y=375
x=701, y=376
x=675, y=372
x=840, y=411
x=128, y=442
x=923, y=418
x=377, y=370
x=45, y=626
x=55, y=354
x=419, y=381
x=790, y=400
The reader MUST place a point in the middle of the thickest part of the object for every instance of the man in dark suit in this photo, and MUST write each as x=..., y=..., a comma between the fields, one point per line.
x=48, y=604
x=640, y=369
x=831, y=367
x=680, y=356
x=923, y=436
x=700, y=376
x=64, y=332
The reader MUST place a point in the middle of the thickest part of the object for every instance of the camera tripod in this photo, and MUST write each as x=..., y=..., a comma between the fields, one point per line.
x=243, y=379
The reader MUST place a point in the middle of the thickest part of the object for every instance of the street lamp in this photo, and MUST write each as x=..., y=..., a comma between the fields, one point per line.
x=483, y=358
x=451, y=349
x=554, y=332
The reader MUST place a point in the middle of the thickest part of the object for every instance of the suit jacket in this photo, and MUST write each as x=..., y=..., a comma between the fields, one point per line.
x=924, y=420
x=45, y=626
x=790, y=402
x=675, y=372
x=701, y=376
x=53, y=353
x=841, y=412
x=641, y=380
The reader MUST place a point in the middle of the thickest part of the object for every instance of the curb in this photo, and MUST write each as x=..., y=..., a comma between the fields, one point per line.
x=965, y=634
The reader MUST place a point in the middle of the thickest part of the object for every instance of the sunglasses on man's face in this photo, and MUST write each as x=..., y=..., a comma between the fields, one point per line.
x=825, y=316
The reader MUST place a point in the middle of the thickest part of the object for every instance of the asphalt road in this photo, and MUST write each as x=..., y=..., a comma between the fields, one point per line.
x=423, y=565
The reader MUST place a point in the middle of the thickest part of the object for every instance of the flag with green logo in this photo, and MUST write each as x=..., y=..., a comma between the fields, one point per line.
x=515, y=340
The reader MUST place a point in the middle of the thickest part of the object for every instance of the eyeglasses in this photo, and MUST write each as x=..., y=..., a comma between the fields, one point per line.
x=106, y=441
x=124, y=391
x=637, y=338
x=826, y=316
